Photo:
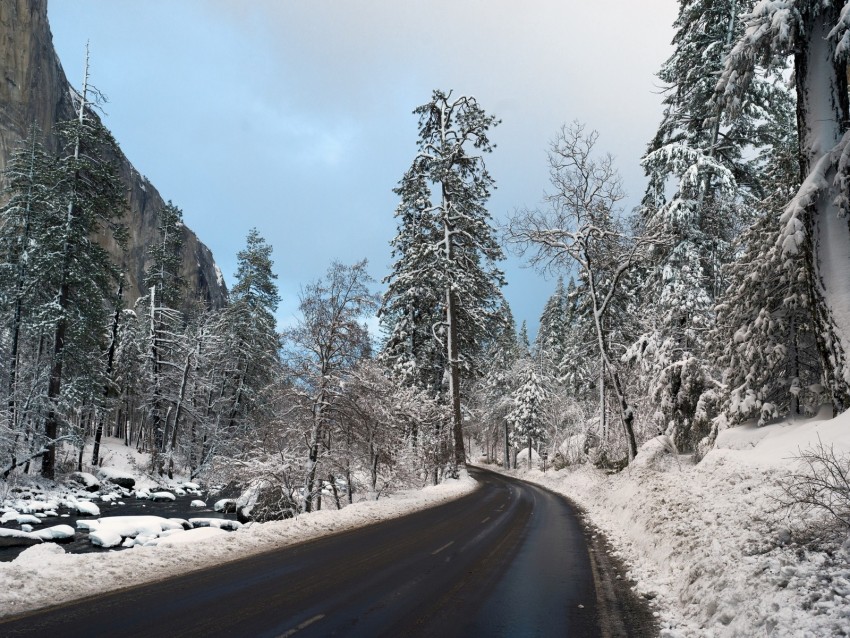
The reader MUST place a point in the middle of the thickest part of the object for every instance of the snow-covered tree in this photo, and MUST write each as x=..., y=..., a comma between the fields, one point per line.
x=78, y=271
x=551, y=333
x=30, y=194
x=816, y=34
x=248, y=331
x=444, y=284
x=582, y=227
x=328, y=341
x=527, y=413
x=704, y=186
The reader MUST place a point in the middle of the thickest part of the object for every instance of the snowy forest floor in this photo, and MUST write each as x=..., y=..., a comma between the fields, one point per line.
x=709, y=544
x=46, y=575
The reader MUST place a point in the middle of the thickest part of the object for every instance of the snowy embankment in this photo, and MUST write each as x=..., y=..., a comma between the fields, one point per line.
x=706, y=541
x=45, y=575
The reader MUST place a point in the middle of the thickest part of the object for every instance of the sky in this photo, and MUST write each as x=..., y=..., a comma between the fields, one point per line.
x=295, y=117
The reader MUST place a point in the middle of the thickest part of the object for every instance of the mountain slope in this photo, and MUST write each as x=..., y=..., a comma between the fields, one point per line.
x=34, y=89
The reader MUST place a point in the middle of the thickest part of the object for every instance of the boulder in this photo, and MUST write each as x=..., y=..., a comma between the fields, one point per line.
x=88, y=481
x=16, y=538
x=117, y=477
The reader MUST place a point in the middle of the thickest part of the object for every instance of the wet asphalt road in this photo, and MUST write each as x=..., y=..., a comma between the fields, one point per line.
x=510, y=559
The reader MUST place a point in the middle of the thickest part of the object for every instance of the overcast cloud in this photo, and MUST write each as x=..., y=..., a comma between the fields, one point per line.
x=295, y=117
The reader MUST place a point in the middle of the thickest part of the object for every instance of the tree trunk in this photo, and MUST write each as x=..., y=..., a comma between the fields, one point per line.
x=507, y=462
x=54, y=387
x=110, y=364
x=822, y=116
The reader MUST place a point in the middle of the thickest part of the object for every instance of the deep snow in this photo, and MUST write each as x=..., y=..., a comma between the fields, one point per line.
x=707, y=543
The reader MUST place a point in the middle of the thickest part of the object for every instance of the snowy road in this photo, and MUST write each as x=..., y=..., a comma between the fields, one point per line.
x=510, y=559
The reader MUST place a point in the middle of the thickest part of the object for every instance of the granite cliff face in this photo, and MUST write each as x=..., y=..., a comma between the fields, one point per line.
x=34, y=88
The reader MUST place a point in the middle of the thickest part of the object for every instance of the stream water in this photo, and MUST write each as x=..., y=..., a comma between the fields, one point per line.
x=80, y=544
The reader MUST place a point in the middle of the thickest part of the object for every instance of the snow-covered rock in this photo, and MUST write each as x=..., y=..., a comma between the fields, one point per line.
x=225, y=505
x=111, y=531
x=218, y=523
x=117, y=477
x=17, y=538
x=87, y=508
x=656, y=453
x=189, y=485
x=56, y=533
x=162, y=496
x=28, y=519
x=88, y=481
x=197, y=503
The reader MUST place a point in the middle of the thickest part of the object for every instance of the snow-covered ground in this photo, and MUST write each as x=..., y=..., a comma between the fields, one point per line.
x=705, y=541
x=45, y=575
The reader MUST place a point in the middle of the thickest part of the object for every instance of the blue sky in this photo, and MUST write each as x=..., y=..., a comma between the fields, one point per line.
x=295, y=116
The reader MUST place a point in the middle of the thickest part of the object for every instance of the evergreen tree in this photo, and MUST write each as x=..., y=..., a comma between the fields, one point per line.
x=444, y=283
x=527, y=413
x=551, y=335
x=77, y=270
x=814, y=222
x=715, y=189
x=248, y=330
x=163, y=273
x=493, y=391
x=30, y=195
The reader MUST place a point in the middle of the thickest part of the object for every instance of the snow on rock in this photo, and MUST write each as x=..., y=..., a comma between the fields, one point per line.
x=9, y=515
x=86, y=508
x=197, y=503
x=56, y=533
x=111, y=531
x=219, y=523
x=225, y=505
x=16, y=538
x=28, y=519
x=22, y=581
x=191, y=486
x=88, y=481
x=118, y=477
x=33, y=506
x=162, y=496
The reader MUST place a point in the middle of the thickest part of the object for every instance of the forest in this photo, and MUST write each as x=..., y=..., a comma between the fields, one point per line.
x=721, y=299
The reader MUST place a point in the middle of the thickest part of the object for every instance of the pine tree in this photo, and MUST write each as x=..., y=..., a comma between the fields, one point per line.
x=551, y=335
x=78, y=270
x=30, y=195
x=163, y=273
x=444, y=283
x=493, y=391
x=716, y=188
x=248, y=328
x=527, y=413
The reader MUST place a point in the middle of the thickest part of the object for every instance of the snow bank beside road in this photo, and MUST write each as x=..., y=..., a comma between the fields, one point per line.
x=704, y=542
x=43, y=576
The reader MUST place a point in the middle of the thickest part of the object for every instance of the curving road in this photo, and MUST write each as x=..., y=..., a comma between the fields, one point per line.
x=510, y=559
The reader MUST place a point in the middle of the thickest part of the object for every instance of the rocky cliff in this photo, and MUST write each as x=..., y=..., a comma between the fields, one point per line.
x=34, y=89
